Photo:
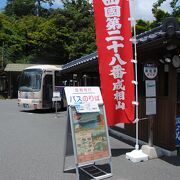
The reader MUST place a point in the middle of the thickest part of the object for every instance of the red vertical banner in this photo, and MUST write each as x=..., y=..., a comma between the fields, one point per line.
x=113, y=34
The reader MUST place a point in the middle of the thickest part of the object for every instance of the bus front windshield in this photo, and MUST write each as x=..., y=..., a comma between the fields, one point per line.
x=30, y=80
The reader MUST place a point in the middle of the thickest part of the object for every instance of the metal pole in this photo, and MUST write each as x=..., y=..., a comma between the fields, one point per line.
x=56, y=108
x=136, y=78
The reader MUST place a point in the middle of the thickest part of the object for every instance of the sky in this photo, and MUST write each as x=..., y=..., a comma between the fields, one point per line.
x=143, y=7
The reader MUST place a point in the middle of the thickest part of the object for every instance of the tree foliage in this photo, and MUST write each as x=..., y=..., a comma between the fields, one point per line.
x=21, y=8
x=57, y=36
x=79, y=19
x=142, y=26
x=159, y=14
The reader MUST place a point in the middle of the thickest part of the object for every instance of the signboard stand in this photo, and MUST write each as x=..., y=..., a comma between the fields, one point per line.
x=87, y=140
x=89, y=167
x=68, y=145
x=56, y=97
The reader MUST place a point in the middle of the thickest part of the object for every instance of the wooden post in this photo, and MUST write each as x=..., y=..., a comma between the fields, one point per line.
x=150, y=129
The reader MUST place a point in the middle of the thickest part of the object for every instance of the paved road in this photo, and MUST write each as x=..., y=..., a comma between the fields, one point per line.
x=32, y=144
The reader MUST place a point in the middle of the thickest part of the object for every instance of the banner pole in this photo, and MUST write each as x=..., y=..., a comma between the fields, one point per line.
x=136, y=155
x=136, y=78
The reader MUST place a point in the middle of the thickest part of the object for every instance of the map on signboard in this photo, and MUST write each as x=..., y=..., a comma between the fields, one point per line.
x=178, y=130
x=90, y=135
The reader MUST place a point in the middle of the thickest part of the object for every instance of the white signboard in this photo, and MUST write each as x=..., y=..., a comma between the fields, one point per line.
x=56, y=96
x=88, y=127
x=150, y=71
x=83, y=95
x=150, y=88
x=150, y=106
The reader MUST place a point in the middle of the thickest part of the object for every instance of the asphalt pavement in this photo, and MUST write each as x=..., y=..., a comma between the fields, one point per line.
x=32, y=146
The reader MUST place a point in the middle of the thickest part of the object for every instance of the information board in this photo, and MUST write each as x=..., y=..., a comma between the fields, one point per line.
x=56, y=96
x=150, y=106
x=90, y=134
x=89, y=131
x=150, y=88
x=178, y=130
x=83, y=95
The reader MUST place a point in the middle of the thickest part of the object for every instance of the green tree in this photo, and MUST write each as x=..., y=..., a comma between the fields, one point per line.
x=13, y=41
x=176, y=9
x=26, y=26
x=79, y=18
x=160, y=14
x=48, y=42
x=142, y=26
x=21, y=8
x=59, y=37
